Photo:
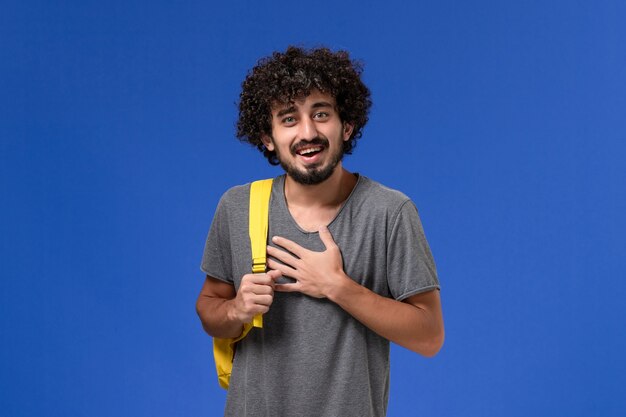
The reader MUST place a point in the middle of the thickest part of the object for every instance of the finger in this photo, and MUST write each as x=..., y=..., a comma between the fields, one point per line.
x=263, y=289
x=291, y=246
x=326, y=237
x=281, y=255
x=295, y=287
x=285, y=270
x=262, y=300
x=258, y=279
x=253, y=305
x=253, y=311
x=274, y=274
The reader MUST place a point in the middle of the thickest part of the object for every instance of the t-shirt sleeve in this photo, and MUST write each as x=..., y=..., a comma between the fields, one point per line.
x=410, y=265
x=217, y=259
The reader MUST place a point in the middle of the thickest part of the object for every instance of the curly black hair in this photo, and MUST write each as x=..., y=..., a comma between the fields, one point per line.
x=285, y=77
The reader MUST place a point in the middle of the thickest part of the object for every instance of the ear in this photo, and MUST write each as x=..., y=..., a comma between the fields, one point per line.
x=348, y=128
x=267, y=141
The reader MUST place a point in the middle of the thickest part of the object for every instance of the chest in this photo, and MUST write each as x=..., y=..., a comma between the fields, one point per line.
x=311, y=219
x=361, y=240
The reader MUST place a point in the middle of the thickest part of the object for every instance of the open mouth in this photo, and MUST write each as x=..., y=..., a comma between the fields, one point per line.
x=309, y=151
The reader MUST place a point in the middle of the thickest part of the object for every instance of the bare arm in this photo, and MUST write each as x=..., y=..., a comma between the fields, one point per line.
x=223, y=311
x=415, y=323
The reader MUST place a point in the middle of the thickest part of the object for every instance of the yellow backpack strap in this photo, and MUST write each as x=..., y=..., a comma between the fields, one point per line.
x=260, y=192
x=224, y=349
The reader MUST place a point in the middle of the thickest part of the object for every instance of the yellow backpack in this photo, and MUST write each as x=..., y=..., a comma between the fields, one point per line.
x=224, y=349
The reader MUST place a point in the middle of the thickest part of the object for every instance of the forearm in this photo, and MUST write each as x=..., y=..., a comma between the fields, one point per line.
x=216, y=315
x=412, y=325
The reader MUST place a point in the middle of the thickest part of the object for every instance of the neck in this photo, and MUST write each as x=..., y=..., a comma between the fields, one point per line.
x=331, y=192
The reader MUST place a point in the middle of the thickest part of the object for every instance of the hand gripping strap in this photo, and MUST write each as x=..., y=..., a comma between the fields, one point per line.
x=260, y=192
x=224, y=349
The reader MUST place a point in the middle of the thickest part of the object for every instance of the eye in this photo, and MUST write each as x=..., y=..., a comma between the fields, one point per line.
x=289, y=120
x=321, y=115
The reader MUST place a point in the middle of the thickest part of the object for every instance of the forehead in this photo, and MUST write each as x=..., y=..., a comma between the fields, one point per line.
x=315, y=99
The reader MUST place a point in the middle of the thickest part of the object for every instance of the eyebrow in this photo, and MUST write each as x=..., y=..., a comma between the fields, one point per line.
x=319, y=104
x=292, y=109
x=285, y=111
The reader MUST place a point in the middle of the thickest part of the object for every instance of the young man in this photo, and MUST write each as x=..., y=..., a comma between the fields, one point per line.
x=349, y=267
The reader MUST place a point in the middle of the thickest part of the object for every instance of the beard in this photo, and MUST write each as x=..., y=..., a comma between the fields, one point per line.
x=312, y=174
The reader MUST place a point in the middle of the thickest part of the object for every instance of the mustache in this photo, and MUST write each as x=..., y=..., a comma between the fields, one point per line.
x=305, y=143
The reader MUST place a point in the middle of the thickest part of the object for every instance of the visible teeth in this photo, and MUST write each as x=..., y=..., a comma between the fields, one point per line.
x=309, y=150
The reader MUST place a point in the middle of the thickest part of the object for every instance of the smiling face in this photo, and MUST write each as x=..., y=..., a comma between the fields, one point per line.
x=308, y=136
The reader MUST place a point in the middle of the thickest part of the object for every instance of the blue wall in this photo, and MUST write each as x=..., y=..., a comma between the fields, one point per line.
x=504, y=121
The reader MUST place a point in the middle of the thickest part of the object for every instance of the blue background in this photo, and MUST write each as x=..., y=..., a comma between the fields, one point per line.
x=503, y=121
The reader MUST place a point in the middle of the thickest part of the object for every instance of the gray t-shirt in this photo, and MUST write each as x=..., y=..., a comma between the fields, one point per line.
x=311, y=358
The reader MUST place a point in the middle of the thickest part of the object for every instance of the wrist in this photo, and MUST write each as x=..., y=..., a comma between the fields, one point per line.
x=232, y=313
x=341, y=285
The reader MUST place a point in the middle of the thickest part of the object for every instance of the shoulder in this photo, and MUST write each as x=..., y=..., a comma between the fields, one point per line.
x=236, y=195
x=379, y=195
x=239, y=195
x=380, y=206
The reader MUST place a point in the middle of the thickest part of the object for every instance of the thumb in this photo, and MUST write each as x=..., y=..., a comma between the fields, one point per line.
x=326, y=237
x=274, y=274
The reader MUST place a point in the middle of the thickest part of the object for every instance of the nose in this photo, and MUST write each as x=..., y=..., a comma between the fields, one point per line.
x=308, y=129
